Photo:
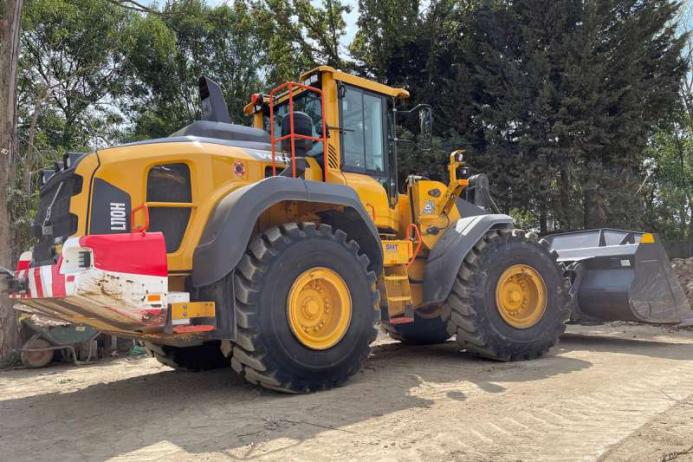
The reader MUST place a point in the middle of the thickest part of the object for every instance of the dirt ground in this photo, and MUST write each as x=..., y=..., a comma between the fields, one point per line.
x=616, y=392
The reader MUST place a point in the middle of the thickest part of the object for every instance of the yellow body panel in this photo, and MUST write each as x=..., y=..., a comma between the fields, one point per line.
x=181, y=311
x=211, y=173
x=374, y=199
x=397, y=252
x=431, y=211
x=80, y=202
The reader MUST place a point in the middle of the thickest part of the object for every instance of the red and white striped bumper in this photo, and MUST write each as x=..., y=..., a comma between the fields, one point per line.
x=112, y=282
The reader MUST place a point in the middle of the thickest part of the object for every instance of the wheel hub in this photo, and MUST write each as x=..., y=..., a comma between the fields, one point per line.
x=319, y=308
x=521, y=296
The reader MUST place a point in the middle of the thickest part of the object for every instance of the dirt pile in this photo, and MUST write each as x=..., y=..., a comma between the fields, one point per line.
x=683, y=268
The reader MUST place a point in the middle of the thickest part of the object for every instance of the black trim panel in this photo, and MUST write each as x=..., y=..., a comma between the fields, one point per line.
x=110, y=211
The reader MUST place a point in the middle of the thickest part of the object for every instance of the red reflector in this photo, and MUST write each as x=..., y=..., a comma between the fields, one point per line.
x=23, y=265
x=188, y=329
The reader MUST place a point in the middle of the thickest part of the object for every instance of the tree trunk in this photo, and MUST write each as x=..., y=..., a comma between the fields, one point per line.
x=543, y=225
x=10, y=24
x=29, y=158
x=564, y=198
x=594, y=208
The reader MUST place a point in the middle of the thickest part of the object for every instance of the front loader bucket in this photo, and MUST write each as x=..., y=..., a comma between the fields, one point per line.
x=621, y=276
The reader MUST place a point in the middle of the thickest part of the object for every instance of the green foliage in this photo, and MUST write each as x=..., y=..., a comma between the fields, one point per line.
x=167, y=53
x=669, y=184
x=70, y=65
x=70, y=74
x=555, y=94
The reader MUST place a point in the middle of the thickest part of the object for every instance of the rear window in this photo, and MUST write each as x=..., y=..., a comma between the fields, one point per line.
x=169, y=183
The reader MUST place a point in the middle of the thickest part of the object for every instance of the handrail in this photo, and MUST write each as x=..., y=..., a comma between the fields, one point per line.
x=142, y=229
x=419, y=241
x=290, y=86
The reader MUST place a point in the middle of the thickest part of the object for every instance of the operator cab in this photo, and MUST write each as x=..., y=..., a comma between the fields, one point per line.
x=356, y=118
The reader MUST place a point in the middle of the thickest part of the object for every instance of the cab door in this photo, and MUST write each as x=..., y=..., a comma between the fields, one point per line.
x=365, y=153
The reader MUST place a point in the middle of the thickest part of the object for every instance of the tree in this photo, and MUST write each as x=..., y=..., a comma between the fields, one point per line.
x=669, y=185
x=71, y=65
x=386, y=39
x=70, y=75
x=562, y=87
x=167, y=52
x=298, y=35
x=10, y=27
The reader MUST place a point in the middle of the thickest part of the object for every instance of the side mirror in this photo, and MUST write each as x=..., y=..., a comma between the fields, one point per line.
x=425, y=128
x=425, y=114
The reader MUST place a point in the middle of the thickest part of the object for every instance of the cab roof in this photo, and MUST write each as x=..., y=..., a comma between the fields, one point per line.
x=358, y=81
x=348, y=79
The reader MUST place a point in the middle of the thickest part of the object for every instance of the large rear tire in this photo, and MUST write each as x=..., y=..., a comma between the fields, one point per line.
x=197, y=358
x=306, y=309
x=510, y=300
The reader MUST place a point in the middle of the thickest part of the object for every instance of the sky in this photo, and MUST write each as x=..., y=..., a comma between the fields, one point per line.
x=350, y=19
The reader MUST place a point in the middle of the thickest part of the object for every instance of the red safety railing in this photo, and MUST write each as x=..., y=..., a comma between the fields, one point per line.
x=291, y=88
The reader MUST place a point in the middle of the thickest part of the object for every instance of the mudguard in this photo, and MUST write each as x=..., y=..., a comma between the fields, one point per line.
x=446, y=257
x=230, y=226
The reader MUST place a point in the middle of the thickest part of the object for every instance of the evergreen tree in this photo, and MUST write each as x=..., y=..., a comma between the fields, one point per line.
x=563, y=92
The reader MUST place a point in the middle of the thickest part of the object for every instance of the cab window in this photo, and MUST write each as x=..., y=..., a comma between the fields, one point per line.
x=169, y=183
x=307, y=102
x=363, y=131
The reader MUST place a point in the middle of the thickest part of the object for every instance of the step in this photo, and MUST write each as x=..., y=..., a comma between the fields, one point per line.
x=399, y=299
x=396, y=278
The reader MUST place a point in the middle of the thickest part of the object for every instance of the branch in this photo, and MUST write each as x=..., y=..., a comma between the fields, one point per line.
x=132, y=5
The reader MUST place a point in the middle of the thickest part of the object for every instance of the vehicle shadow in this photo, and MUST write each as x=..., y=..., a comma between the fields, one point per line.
x=637, y=346
x=218, y=412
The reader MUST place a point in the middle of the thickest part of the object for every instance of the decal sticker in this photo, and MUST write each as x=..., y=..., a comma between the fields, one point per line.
x=119, y=217
x=267, y=156
x=110, y=212
x=391, y=247
x=429, y=208
x=239, y=169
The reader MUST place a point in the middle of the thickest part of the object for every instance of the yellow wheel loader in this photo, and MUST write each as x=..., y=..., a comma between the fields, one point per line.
x=275, y=249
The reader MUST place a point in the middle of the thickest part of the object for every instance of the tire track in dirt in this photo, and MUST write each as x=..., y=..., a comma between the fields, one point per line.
x=580, y=427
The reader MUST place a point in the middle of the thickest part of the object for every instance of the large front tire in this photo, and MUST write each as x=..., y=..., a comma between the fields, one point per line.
x=306, y=309
x=510, y=299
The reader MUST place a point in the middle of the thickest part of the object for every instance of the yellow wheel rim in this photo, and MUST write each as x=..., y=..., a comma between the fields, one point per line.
x=319, y=308
x=521, y=296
